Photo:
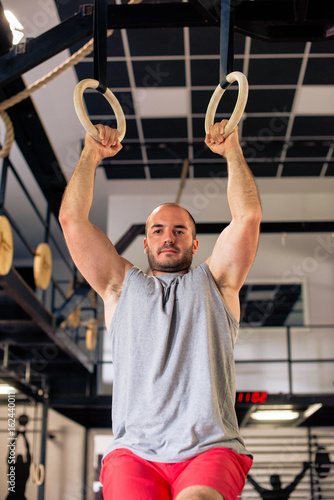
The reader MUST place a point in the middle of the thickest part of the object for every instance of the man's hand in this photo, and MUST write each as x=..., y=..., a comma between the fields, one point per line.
x=216, y=142
x=109, y=145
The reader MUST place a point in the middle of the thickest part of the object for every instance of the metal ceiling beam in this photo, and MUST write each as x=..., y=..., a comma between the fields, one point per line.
x=245, y=418
x=129, y=236
x=275, y=227
x=217, y=227
x=300, y=7
x=95, y=411
x=286, y=20
x=81, y=402
x=28, y=389
x=283, y=13
x=288, y=33
x=80, y=292
x=16, y=323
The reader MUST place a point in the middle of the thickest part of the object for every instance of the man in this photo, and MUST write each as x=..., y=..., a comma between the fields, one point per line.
x=22, y=471
x=277, y=492
x=175, y=429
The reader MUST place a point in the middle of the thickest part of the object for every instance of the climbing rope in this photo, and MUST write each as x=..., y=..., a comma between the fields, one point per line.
x=9, y=136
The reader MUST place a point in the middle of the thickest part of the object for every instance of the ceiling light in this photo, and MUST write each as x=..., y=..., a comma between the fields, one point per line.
x=274, y=415
x=13, y=21
x=312, y=409
x=17, y=36
x=6, y=389
x=15, y=26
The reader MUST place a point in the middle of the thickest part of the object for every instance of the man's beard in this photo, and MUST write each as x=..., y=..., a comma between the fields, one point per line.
x=170, y=265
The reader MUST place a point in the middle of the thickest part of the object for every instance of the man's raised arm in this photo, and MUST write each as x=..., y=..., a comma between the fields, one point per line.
x=91, y=250
x=236, y=246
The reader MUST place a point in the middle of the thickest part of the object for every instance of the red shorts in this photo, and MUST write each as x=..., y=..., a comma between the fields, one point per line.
x=125, y=476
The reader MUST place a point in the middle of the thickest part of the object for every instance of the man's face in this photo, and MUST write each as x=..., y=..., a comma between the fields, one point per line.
x=170, y=244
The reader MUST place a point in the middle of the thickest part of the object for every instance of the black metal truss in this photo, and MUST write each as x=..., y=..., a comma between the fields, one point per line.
x=13, y=285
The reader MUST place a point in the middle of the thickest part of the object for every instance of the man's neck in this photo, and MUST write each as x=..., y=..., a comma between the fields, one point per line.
x=157, y=273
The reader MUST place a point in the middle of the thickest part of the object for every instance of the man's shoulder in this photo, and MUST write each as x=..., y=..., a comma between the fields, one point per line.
x=201, y=269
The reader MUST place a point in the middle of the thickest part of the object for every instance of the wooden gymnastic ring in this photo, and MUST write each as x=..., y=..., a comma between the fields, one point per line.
x=91, y=334
x=73, y=319
x=43, y=266
x=235, y=76
x=38, y=473
x=82, y=114
x=6, y=246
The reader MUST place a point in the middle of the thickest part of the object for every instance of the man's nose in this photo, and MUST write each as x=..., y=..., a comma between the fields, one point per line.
x=169, y=236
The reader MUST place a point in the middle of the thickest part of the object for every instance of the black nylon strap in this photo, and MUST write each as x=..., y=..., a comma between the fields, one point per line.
x=100, y=43
x=226, y=38
x=224, y=84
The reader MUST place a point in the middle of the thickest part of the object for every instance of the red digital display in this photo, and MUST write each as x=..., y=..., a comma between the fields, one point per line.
x=251, y=397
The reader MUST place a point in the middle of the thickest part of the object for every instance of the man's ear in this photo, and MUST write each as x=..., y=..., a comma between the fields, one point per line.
x=145, y=245
x=195, y=246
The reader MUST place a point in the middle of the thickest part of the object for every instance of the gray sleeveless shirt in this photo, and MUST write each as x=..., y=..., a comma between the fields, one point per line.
x=174, y=377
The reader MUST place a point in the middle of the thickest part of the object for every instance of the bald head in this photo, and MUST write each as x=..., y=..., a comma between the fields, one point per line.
x=173, y=205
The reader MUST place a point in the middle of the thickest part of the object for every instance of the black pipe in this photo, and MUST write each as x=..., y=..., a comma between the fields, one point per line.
x=43, y=443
